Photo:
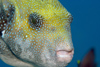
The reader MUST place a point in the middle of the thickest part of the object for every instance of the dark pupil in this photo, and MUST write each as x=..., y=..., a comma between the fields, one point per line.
x=33, y=21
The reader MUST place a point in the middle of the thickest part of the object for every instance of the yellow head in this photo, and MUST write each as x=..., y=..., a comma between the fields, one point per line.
x=38, y=32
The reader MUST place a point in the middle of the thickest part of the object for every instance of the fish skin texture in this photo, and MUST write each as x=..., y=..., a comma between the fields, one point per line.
x=31, y=32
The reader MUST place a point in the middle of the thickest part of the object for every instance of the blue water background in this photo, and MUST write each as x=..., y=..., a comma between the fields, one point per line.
x=85, y=28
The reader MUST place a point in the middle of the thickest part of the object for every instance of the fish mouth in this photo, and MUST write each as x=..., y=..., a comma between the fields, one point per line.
x=64, y=55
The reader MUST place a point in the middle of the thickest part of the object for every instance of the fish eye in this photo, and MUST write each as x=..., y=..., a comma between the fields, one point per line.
x=35, y=20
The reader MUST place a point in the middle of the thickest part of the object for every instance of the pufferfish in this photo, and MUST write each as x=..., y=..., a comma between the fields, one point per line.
x=35, y=33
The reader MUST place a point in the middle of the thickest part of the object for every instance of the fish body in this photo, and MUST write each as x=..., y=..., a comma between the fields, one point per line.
x=35, y=33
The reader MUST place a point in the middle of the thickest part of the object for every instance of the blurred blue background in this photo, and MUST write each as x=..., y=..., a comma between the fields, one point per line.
x=85, y=28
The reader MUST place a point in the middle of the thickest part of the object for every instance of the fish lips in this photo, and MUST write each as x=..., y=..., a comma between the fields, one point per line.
x=64, y=55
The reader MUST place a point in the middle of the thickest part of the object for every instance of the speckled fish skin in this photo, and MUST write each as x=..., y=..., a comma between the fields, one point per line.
x=35, y=33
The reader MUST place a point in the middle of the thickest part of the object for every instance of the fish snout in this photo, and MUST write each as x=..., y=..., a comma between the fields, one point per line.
x=64, y=53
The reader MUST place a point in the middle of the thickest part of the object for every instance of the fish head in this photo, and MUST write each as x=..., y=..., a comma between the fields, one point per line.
x=38, y=32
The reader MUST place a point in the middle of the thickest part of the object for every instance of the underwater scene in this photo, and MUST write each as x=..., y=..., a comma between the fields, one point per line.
x=49, y=33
